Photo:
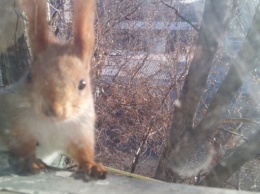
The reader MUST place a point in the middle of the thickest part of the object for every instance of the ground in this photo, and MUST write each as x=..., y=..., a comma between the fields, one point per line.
x=62, y=182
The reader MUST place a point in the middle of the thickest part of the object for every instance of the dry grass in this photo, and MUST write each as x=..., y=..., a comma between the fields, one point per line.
x=127, y=113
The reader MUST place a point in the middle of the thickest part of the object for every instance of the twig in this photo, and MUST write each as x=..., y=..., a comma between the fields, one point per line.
x=179, y=15
x=56, y=9
x=137, y=154
x=234, y=133
x=240, y=120
x=120, y=172
x=109, y=169
x=142, y=64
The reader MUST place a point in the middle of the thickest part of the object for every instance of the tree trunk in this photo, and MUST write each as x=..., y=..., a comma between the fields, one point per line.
x=180, y=150
x=213, y=26
x=14, y=52
x=238, y=157
x=247, y=61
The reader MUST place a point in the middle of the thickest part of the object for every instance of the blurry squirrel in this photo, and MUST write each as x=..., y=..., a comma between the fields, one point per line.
x=51, y=109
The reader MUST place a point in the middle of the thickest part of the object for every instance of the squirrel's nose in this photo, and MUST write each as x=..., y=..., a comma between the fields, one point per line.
x=50, y=112
x=53, y=109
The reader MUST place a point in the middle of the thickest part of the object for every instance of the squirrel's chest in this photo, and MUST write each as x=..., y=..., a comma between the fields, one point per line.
x=50, y=135
x=52, y=139
x=53, y=136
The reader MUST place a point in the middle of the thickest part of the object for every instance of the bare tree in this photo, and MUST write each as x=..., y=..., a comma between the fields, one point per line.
x=138, y=76
x=185, y=137
x=246, y=61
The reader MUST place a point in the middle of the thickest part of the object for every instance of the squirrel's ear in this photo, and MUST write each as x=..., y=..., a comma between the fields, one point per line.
x=38, y=27
x=84, y=32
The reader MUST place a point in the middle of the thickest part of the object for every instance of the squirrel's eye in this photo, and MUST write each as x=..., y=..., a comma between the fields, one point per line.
x=82, y=84
x=29, y=77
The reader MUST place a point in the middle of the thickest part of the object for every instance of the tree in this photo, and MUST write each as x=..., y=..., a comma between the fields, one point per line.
x=185, y=137
x=14, y=53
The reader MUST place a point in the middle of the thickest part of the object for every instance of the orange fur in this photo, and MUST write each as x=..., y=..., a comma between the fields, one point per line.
x=84, y=35
x=24, y=146
x=85, y=160
x=48, y=109
x=38, y=27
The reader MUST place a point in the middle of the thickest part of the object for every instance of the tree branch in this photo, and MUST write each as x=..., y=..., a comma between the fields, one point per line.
x=180, y=16
x=238, y=157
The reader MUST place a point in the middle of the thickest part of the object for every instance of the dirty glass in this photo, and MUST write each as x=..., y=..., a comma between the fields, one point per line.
x=175, y=84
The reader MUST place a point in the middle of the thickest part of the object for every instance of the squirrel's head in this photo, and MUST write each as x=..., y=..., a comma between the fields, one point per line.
x=59, y=79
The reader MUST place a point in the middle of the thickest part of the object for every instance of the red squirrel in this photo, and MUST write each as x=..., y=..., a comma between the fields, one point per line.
x=51, y=109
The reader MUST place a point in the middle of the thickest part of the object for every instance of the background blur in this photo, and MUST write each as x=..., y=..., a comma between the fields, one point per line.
x=176, y=85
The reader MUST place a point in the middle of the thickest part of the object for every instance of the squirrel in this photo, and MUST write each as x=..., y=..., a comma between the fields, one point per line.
x=51, y=109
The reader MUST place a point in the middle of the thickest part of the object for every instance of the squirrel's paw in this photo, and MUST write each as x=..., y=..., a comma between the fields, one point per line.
x=27, y=166
x=36, y=166
x=91, y=171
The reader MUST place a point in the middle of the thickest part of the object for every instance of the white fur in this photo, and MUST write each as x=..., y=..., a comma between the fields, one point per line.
x=52, y=136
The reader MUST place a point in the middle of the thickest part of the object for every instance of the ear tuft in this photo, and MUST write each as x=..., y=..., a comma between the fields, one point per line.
x=38, y=27
x=84, y=32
